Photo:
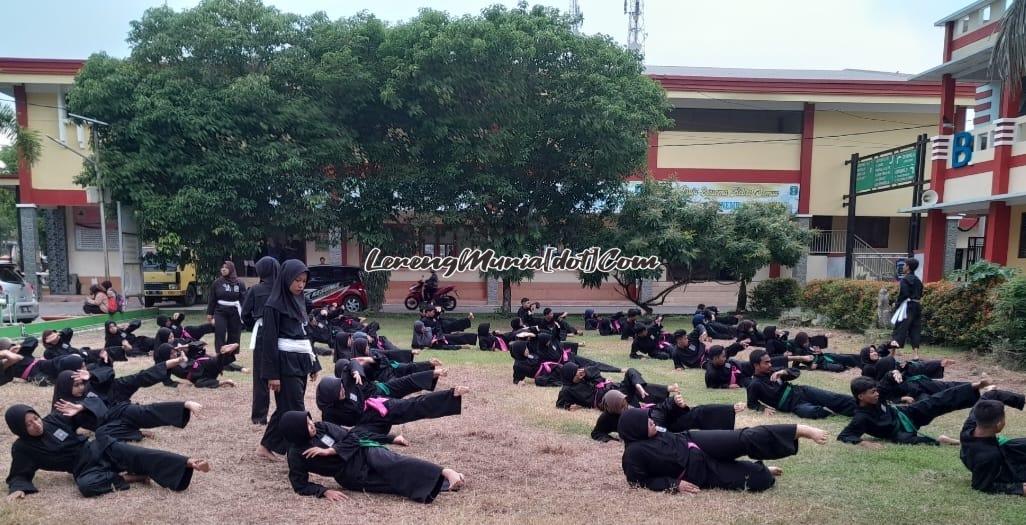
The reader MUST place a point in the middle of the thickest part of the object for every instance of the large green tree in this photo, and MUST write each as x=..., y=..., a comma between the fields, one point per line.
x=513, y=127
x=216, y=136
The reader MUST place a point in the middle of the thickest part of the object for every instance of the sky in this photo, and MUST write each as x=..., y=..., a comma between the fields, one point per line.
x=883, y=35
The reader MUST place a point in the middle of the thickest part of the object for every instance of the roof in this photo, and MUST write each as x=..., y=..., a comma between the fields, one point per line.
x=847, y=75
x=962, y=13
x=41, y=66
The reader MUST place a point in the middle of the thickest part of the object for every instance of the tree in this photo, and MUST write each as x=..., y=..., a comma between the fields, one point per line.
x=218, y=136
x=25, y=141
x=1008, y=57
x=512, y=127
x=760, y=234
x=694, y=241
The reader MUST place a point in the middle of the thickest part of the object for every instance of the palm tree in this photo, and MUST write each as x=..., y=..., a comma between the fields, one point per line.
x=25, y=141
x=1008, y=58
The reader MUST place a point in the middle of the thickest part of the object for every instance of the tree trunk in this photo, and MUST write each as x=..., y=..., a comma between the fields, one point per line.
x=742, y=296
x=507, y=296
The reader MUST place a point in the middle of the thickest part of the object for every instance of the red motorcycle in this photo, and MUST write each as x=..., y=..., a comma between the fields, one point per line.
x=445, y=297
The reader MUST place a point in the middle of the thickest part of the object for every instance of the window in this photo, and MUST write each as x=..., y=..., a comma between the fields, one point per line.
x=8, y=275
x=89, y=239
x=875, y=231
x=965, y=25
x=985, y=14
x=736, y=120
x=983, y=141
x=1022, y=236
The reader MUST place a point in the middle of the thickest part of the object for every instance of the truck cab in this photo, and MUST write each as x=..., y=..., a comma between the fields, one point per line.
x=169, y=280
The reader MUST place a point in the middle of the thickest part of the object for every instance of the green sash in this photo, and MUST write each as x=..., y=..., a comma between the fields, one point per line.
x=370, y=443
x=1002, y=440
x=904, y=422
x=383, y=388
x=783, y=397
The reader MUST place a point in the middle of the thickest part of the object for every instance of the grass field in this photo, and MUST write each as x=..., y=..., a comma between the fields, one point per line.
x=527, y=462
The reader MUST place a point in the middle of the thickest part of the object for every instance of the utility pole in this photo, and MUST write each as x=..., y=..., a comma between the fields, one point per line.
x=575, y=15
x=634, y=9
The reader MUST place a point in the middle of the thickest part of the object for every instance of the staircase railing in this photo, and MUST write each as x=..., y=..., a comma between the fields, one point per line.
x=868, y=262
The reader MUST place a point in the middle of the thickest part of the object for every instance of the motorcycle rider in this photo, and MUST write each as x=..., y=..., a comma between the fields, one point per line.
x=430, y=287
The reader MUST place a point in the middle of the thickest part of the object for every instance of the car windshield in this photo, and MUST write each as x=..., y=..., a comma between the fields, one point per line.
x=8, y=275
x=151, y=264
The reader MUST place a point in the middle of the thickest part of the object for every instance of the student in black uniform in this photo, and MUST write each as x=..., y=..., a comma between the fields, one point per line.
x=16, y=361
x=908, y=313
x=673, y=413
x=287, y=352
x=357, y=463
x=901, y=423
x=721, y=372
x=97, y=465
x=687, y=462
x=267, y=269
x=224, y=308
x=998, y=464
x=773, y=391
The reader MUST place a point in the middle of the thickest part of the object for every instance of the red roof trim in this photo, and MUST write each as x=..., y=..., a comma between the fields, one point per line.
x=40, y=66
x=976, y=35
x=972, y=169
x=811, y=87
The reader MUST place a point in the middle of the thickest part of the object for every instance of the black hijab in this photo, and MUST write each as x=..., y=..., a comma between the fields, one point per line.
x=293, y=428
x=163, y=335
x=518, y=350
x=327, y=391
x=62, y=387
x=281, y=298
x=359, y=346
x=633, y=425
x=15, y=417
x=864, y=354
x=567, y=372
x=267, y=269
x=769, y=332
x=341, y=367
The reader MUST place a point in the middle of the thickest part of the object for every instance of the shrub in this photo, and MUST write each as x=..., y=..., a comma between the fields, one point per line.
x=773, y=296
x=375, y=283
x=848, y=304
x=1009, y=316
x=957, y=314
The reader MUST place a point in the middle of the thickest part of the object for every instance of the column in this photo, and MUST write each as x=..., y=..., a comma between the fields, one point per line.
x=27, y=214
x=57, y=250
x=493, y=285
x=800, y=272
x=950, y=242
x=995, y=244
x=936, y=223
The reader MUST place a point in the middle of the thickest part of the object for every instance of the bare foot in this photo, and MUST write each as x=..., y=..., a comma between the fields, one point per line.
x=460, y=390
x=198, y=464
x=818, y=436
x=983, y=383
x=945, y=440
x=401, y=441
x=263, y=453
x=988, y=388
x=776, y=471
x=194, y=407
x=227, y=349
x=435, y=362
x=456, y=480
x=947, y=362
x=415, y=352
x=148, y=434
x=440, y=372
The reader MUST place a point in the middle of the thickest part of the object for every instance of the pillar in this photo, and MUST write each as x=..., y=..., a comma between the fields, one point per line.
x=950, y=242
x=995, y=237
x=934, y=248
x=800, y=272
x=27, y=214
x=57, y=250
x=999, y=216
x=493, y=285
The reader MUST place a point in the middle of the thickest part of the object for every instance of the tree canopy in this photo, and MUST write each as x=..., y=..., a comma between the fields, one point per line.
x=234, y=122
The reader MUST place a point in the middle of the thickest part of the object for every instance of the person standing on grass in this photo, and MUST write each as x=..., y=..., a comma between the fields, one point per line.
x=267, y=269
x=908, y=315
x=286, y=350
x=224, y=310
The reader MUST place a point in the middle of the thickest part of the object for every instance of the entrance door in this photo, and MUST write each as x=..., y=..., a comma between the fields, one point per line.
x=974, y=252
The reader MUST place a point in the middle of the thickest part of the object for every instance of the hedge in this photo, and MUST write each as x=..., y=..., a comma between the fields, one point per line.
x=773, y=296
x=847, y=304
x=957, y=314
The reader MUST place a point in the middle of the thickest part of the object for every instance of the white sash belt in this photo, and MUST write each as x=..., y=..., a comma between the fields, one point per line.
x=236, y=304
x=256, y=330
x=297, y=346
x=901, y=313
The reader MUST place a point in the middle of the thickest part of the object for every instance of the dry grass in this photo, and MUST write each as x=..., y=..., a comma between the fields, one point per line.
x=525, y=462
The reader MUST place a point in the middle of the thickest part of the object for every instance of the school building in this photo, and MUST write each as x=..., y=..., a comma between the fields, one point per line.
x=739, y=135
x=979, y=173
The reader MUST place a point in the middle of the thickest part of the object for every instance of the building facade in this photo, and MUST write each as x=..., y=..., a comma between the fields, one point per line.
x=980, y=172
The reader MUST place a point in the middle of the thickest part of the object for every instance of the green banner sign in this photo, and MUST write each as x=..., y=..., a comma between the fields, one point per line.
x=886, y=170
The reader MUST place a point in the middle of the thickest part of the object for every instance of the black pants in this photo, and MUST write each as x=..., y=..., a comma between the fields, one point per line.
x=167, y=469
x=391, y=473
x=703, y=417
x=401, y=411
x=400, y=387
x=814, y=402
x=125, y=420
x=721, y=448
x=227, y=327
x=261, y=394
x=288, y=397
x=911, y=328
x=632, y=378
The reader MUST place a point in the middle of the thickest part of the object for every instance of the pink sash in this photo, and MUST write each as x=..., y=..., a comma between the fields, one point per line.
x=28, y=369
x=733, y=375
x=186, y=334
x=566, y=356
x=501, y=343
x=376, y=403
x=646, y=406
x=616, y=326
x=545, y=367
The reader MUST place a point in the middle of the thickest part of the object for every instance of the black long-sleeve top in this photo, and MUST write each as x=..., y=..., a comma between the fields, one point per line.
x=992, y=469
x=223, y=290
x=253, y=304
x=278, y=364
x=910, y=287
x=59, y=449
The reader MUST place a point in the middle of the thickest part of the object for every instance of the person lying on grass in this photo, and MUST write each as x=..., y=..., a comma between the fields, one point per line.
x=673, y=413
x=773, y=391
x=998, y=464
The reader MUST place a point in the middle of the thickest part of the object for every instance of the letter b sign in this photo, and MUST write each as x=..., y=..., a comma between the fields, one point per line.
x=961, y=149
